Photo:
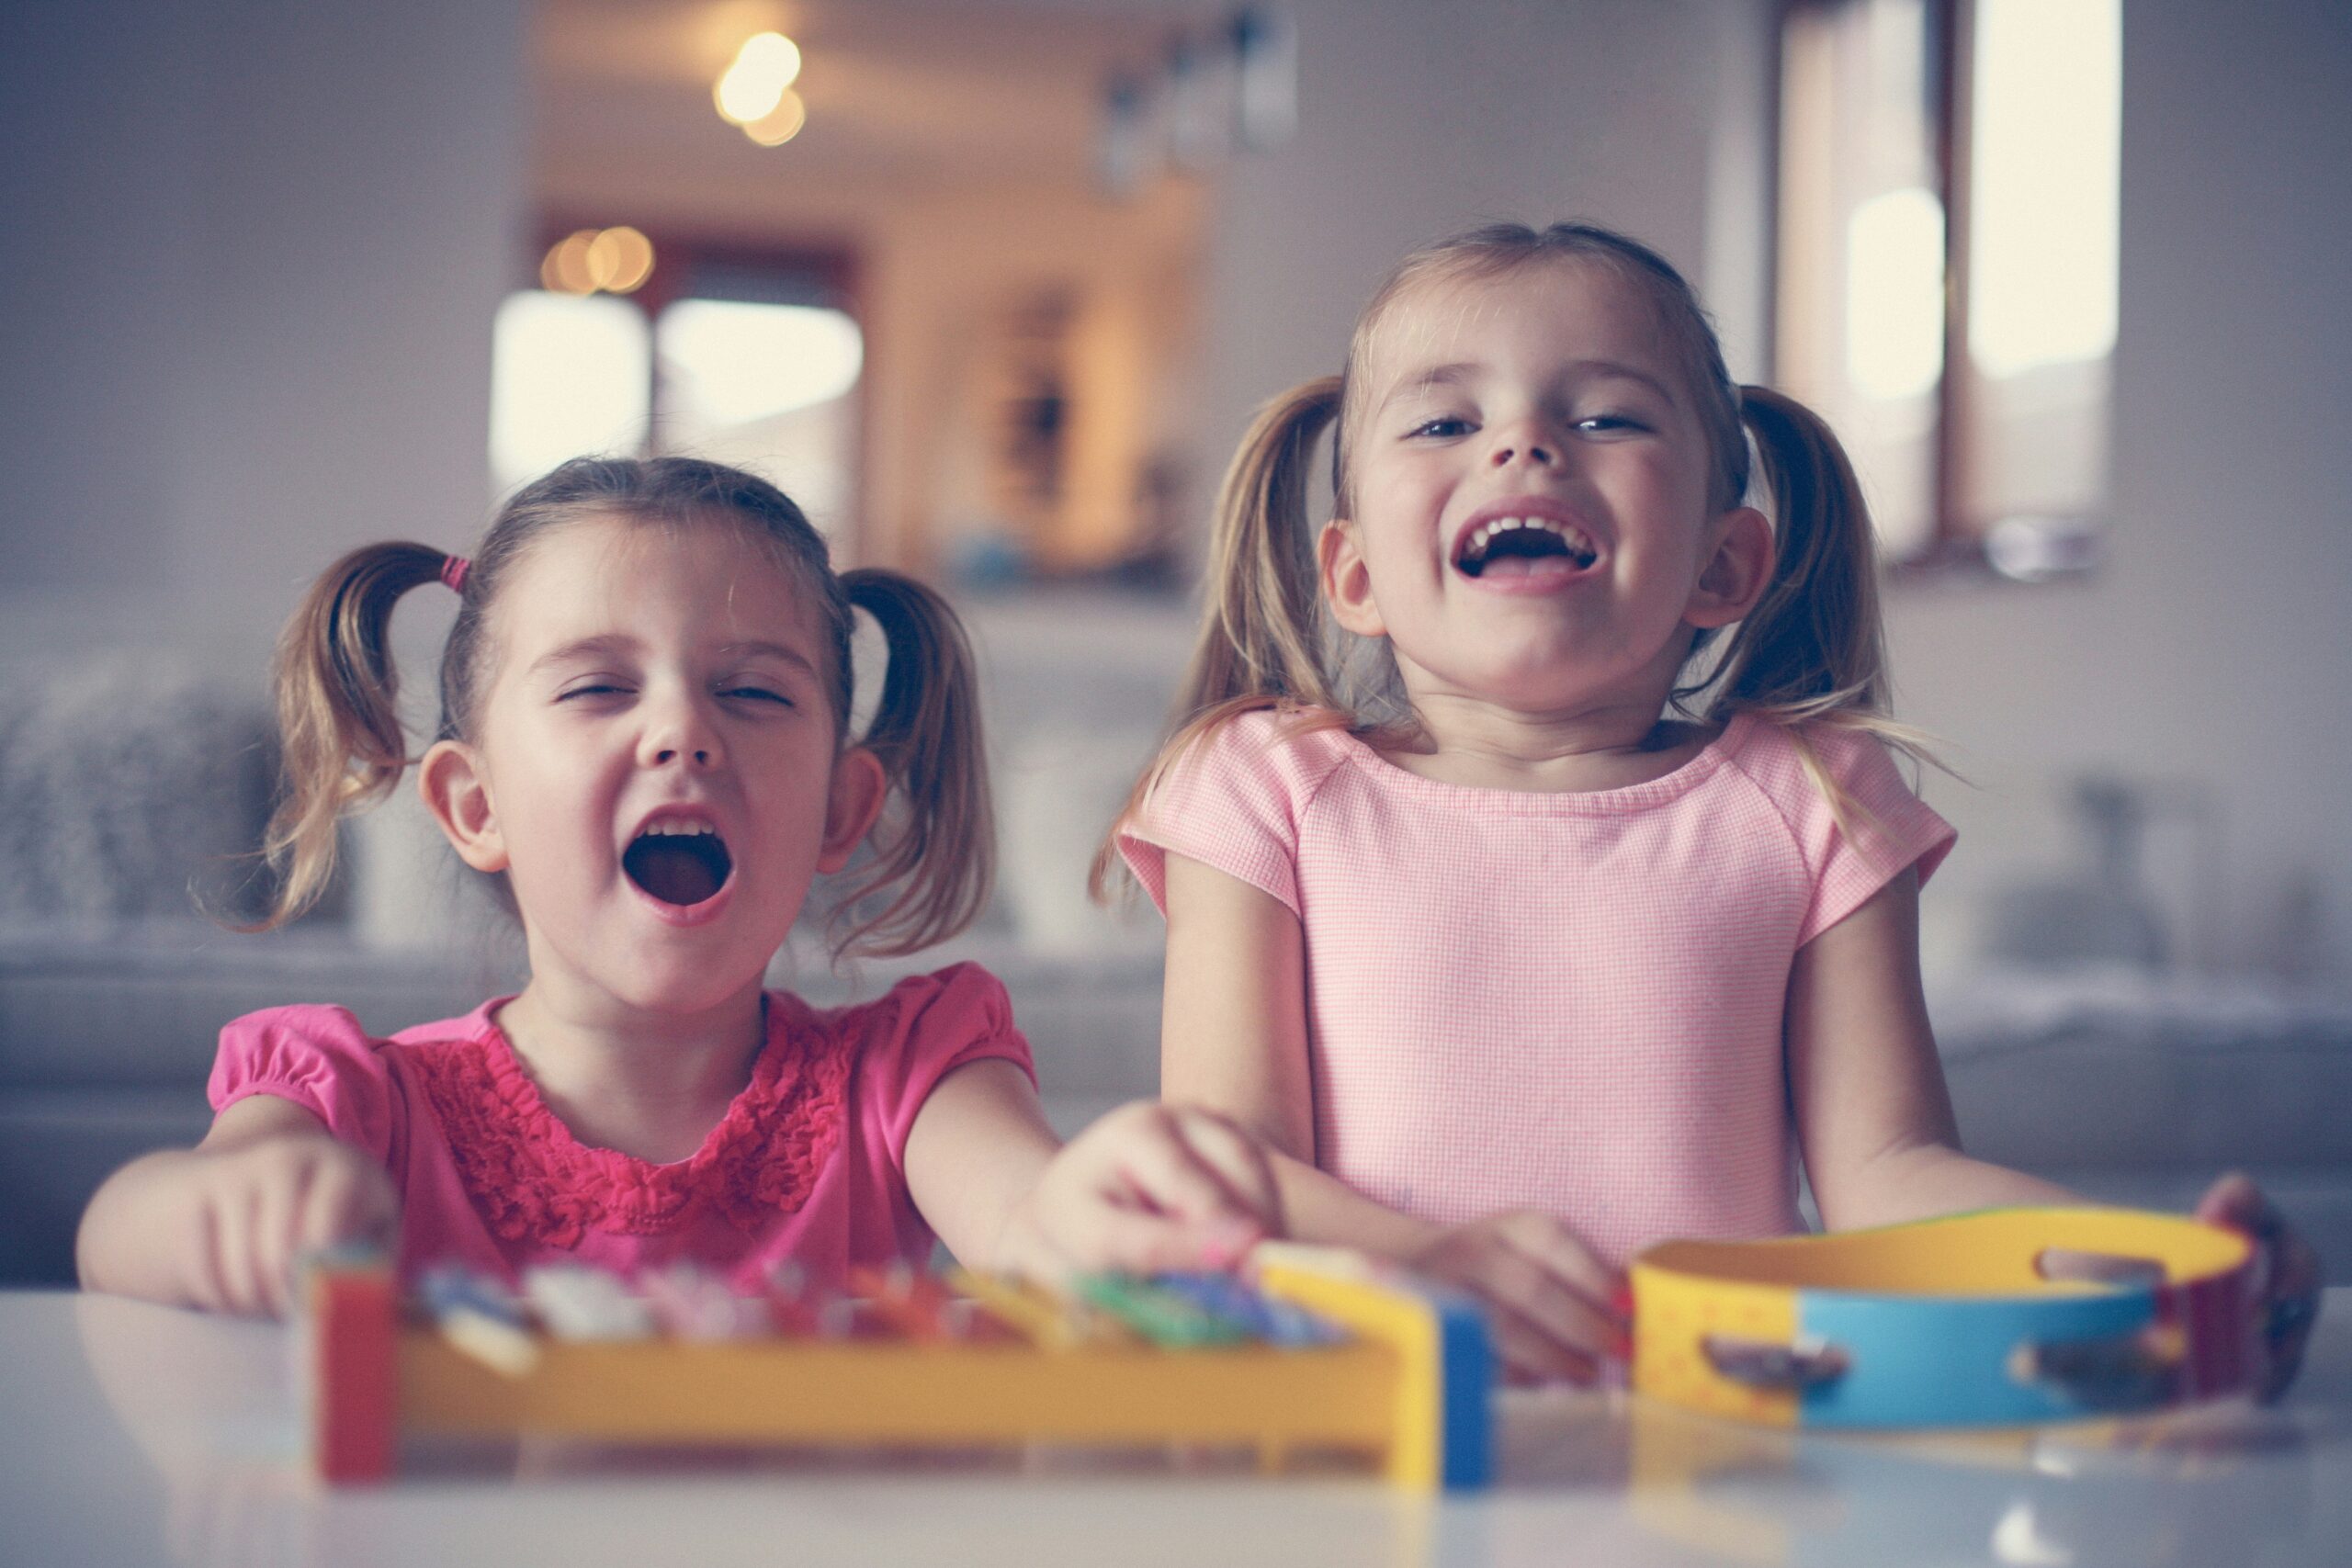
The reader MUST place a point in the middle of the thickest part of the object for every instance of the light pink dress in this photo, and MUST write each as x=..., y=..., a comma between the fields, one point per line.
x=1569, y=1002
x=805, y=1165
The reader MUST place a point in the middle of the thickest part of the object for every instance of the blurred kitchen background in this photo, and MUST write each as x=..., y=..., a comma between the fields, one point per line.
x=993, y=285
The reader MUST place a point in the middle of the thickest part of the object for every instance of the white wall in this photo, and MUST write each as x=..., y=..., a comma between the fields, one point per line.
x=252, y=251
x=2213, y=649
x=1415, y=120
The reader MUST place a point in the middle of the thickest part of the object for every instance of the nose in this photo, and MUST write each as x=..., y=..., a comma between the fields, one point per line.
x=680, y=731
x=1527, y=439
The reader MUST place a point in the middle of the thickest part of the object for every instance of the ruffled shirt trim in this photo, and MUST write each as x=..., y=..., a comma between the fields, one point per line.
x=533, y=1181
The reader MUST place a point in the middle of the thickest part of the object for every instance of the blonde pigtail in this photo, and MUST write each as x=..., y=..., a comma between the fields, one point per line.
x=936, y=860
x=341, y=745
x=1262, y=636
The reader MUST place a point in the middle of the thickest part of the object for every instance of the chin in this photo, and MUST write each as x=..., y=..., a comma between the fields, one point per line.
x=683, y=990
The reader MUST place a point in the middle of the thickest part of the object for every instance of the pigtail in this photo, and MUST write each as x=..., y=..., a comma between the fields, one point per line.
x=1262, y=636
x=938, y=860
x=1814, y=649
x=341, y=745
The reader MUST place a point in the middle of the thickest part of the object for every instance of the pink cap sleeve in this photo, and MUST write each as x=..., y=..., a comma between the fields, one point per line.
x=1887, y=827
x=1231, y=802
x=319, y=1058
x=926, y=1027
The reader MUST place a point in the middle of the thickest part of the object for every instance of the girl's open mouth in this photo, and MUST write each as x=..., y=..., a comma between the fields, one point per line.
x=1531, y=549
x=680, y=864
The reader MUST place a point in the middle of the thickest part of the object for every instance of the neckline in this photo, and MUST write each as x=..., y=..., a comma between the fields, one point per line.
x=532, y=1180
x=520, y=1091
x=1667, y=786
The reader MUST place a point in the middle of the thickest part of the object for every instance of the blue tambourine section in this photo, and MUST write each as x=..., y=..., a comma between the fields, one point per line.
x=1916, y=1362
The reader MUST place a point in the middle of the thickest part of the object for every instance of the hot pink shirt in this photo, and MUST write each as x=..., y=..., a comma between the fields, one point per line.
x=1568, y=1002
x=805, y=1165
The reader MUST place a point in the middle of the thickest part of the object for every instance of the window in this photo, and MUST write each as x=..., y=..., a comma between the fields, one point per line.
x=748, y=360
x=1947, y=264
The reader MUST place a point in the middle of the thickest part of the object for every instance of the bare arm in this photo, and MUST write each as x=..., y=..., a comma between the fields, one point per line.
x=220, y=1226
x=1146, y=1188
x=1233, y=1039
x=1876, y=1122
x=1873, y=1115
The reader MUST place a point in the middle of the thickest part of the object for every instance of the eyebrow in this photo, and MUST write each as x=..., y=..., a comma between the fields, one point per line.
x=614, y=643
x=1456, y=374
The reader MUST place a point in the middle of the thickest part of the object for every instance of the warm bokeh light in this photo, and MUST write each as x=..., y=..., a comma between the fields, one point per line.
x=565, y=270
x=620, y=260
x=780, y=124
x=598, y=261
x=756, y=85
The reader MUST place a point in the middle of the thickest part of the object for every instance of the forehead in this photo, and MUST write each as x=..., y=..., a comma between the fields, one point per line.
x=1567, y=308
x=611, y=573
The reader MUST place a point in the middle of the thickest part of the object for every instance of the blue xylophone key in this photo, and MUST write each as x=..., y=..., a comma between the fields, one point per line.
x=1260, y=1316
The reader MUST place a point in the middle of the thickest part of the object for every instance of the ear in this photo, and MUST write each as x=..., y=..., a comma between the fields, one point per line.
x=456, y=792
x=858, y=788
x=1347, y=581
x=1737, y=573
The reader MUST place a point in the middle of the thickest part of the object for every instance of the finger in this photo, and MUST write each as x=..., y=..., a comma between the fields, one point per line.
x=238, y=1216
x=1136, y=1241
x=331, y=1212
x=1530, y=1356
x=1547, y=1245
x=2234, y=1200
x=277, y=1211
x=345, y=1203
x=2293, y=1313
x=1163, y=1172
x=207, y=1271
x=1241, y=1164
x=1519, y=1286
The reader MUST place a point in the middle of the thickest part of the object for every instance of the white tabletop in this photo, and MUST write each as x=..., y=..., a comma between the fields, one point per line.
x=131, y=1433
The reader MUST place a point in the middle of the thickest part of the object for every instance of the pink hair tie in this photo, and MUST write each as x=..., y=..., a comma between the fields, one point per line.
x=454, y=570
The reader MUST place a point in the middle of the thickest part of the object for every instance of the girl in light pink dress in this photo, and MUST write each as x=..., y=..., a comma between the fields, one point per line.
x=1538, y=883
x=646, y=739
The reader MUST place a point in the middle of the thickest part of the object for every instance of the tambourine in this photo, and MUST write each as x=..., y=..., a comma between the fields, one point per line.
x=2001, y=1317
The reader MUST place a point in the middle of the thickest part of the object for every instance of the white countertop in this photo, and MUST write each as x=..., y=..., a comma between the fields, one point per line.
x=139, y=1434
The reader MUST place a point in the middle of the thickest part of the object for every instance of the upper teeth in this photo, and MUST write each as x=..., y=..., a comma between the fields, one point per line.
x=670, y=826
x=1483, y=535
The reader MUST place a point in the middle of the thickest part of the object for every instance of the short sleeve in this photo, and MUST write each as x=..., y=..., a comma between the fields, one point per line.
x=1232, y=801
x=317, y=1057
x=1885, y=826
x=923, y=1028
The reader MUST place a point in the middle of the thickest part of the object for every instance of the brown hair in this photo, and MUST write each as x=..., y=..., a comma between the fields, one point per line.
x=1811, y=651
x=932, y=857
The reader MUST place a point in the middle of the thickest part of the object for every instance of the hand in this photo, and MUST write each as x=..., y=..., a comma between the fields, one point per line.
x=1550, y=1301
x=1148, y=1189
x=262, y=1204
x=2287, y=1267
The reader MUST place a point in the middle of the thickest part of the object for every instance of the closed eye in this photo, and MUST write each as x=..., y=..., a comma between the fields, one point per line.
x=1442, y=427
x=758, y=693
x=595, y=688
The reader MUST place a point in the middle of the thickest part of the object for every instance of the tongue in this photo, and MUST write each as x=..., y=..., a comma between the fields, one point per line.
x=1531, y=569
x=677, y=870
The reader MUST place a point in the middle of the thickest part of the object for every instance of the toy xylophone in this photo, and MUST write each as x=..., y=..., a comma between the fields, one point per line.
x=1320, y=1352
x=1971, y=1320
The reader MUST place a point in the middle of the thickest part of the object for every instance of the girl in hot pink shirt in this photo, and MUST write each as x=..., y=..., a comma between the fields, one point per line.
x=645, y=736
x=1538, y=882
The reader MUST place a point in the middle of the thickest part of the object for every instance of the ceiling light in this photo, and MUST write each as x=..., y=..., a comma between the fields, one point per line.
x=754, y=86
